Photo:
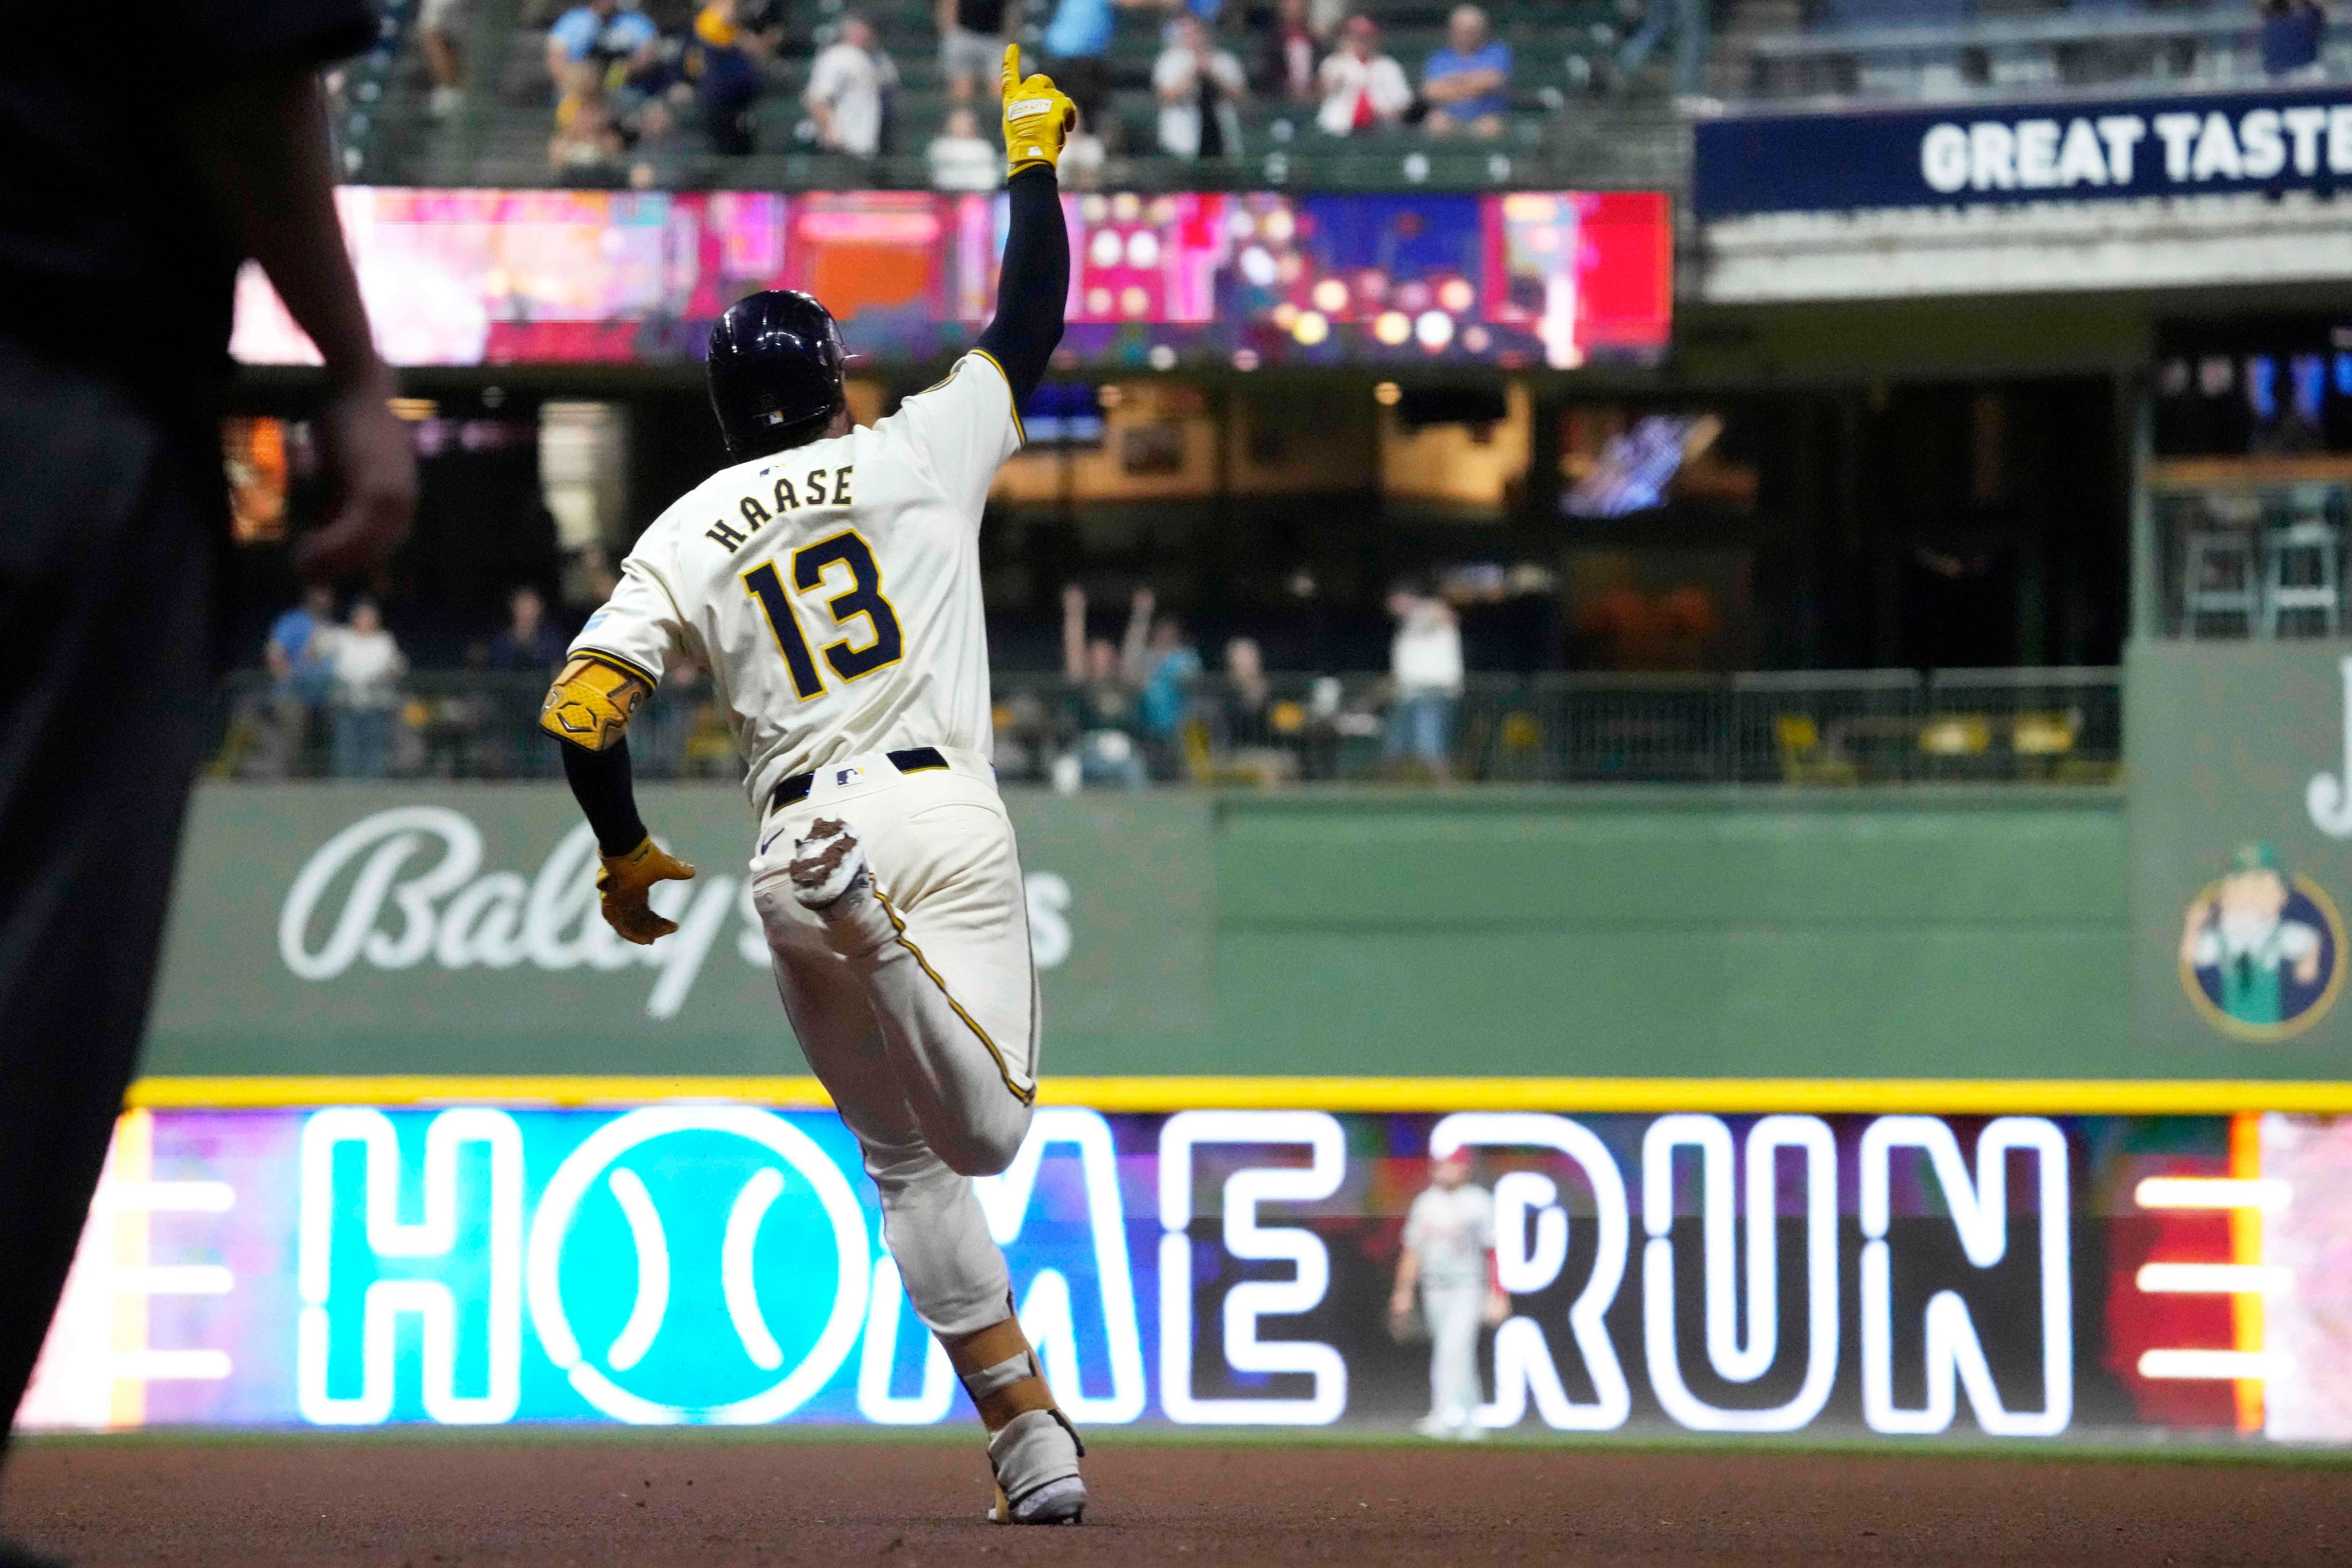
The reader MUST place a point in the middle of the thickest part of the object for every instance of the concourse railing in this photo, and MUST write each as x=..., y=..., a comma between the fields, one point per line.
x=1820, y=728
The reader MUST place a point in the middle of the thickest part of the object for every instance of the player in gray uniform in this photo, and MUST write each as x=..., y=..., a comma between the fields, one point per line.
x=1449, y=1254
x=830, y=579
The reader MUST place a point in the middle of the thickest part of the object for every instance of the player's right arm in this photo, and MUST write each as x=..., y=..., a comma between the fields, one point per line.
x=613, y=666
x=1408, y=1272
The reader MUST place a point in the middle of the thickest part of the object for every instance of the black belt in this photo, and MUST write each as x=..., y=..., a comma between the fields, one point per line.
x=914, y=760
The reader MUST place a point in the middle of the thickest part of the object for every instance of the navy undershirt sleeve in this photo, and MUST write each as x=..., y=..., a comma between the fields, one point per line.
x=600, y=781
x=1033, y=284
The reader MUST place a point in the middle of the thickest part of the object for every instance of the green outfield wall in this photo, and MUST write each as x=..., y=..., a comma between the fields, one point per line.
x=447, y=928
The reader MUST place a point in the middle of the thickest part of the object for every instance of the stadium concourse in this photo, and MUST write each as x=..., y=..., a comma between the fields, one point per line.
x=609, y=1503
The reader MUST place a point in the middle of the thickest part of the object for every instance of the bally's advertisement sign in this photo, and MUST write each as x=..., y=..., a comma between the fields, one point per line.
x=1970, y=154
x=2017, y=1278
x=453, y=928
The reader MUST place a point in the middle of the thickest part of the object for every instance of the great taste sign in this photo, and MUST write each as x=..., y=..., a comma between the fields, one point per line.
x=1993, y=153
x=453, y=928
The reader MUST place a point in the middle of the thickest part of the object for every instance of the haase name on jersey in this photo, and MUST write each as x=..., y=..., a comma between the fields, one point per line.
x=788, y=498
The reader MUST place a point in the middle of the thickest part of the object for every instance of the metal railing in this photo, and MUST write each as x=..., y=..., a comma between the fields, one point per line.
x=1811, y=728
x=1956, y=52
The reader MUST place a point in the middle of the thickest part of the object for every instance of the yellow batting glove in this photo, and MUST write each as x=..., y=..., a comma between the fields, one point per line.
x=626, y=880
x=1038, y=116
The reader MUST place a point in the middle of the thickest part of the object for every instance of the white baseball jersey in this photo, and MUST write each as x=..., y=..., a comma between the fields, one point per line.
x=833, y=589
x=1453, y=1231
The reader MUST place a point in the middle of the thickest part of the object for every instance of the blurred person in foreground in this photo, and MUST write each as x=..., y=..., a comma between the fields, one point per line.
x=1425, y=665
x=1449, y=1257
x=1363, y=90
x=120, y=233
x=1467, y=84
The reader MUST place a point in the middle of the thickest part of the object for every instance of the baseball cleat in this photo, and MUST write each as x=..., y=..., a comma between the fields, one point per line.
x=826, y=864
x=1062, y=1501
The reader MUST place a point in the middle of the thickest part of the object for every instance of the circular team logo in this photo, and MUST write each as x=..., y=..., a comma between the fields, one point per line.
x=698, y=1264
x=2261, y=949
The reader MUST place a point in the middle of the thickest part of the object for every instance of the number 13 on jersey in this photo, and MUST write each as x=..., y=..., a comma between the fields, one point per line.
x=862, y=598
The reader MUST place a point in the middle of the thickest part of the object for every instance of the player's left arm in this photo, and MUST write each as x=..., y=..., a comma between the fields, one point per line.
x=588, y=710
x=1033, y=286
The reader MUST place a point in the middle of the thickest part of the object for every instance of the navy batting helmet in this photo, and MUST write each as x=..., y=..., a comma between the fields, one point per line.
x=775, y=372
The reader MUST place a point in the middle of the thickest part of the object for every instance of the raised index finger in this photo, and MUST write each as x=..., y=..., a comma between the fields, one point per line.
x=1011, y=67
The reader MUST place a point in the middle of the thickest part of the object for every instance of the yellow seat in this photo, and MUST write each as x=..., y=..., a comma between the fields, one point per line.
x=2043, y=735
x=1964, y=735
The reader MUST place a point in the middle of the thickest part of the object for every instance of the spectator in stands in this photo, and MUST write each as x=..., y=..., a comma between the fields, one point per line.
x=585, y=136
x=1243, y=726
x=438, y=45
x=1466, y=83
x=665, y=732
x=1163, y=667
x=960, y=158
x=1245, y=707
x=847, y=86
x=528, y=647
x=1197, y=85
x=302, y=678
x=368, y=665
x=972, y=46
x=1102, y=700
x=1290, y=50
x=2290, y=40
x=623, y=49
x=1686, y=20
x=1425, y=665
x=1077, y=45
x=1363, y=90
x=527, y=643
x=728, y=59
x=1075, y=42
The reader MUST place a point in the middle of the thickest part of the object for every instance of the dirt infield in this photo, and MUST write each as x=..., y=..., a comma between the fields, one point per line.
x=694, y=1499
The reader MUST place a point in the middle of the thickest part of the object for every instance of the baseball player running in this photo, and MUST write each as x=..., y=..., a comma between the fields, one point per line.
x=830, y=578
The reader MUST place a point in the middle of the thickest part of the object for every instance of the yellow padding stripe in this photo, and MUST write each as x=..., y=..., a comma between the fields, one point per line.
x=2112, y=1097
x=1027, y=1097
x=614, y=661
x=1020, y=431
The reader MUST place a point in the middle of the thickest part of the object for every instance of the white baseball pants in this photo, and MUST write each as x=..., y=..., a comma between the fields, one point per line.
x=1454, y=1313
x=917, y=1009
